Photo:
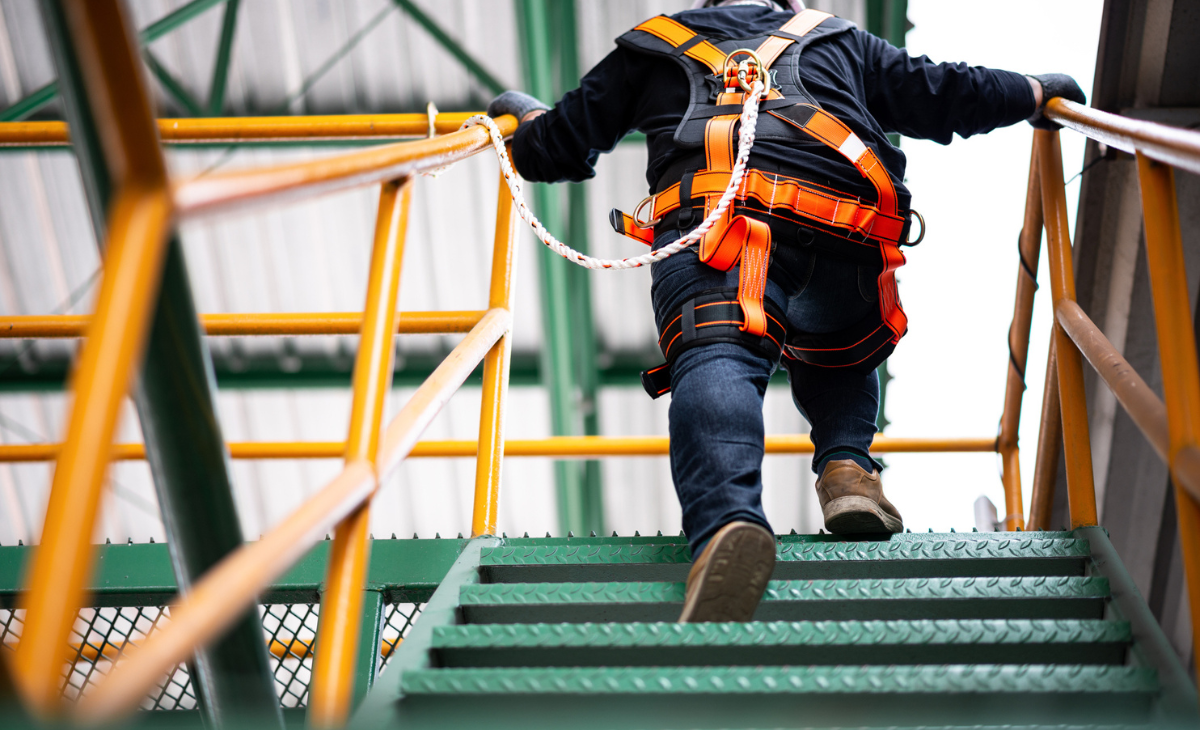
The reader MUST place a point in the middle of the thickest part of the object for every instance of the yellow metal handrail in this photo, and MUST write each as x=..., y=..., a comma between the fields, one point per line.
x=1172, y=427
x=569, y=447
x=255, y=324
x=216, y=130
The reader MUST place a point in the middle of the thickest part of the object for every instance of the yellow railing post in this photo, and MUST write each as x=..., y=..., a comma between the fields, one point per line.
x=495, y=373
x=138, y=226
x=1041, y=502
x=1177, y=354
x=1081, y=490
x=341, y=606
x=1029, y=251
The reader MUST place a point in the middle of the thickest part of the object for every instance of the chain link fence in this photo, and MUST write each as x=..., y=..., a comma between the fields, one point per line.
x=100, y=636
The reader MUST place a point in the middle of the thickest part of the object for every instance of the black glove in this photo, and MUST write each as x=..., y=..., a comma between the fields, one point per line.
x=515, y=103
x=1055, y=85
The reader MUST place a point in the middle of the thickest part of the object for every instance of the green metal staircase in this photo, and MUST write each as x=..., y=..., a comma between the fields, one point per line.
x=974, y=629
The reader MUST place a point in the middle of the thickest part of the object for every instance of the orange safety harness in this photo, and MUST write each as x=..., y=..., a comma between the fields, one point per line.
x=740, y=239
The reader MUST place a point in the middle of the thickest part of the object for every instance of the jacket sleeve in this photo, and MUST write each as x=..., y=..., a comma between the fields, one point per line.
x=919, y=98
x=564, y=143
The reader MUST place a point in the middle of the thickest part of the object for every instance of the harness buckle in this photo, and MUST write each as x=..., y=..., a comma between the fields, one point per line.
x=921, y=237
x=744, y=73
x=637, y=212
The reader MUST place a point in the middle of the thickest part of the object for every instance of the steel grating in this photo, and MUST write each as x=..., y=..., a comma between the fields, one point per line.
x=101, y=635
x=783, y=633
x=942, y=680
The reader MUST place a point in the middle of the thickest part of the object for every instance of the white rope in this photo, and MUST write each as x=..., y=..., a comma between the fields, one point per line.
x=745, y=142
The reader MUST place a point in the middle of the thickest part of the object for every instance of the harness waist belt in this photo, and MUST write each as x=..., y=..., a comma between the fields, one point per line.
x=781, y=191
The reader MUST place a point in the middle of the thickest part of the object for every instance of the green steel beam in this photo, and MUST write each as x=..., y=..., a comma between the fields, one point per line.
x=185, y=447
x=564, y=37
x=220, y=77
x=404, y=571
x=370, y=635
x=887, y=19
x=173, y=86
x=169, y=22
x=558, y=301
x=474, y=67
x=623, y=371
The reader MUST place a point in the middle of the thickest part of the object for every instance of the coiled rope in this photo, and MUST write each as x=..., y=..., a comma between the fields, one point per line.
x=749, y=119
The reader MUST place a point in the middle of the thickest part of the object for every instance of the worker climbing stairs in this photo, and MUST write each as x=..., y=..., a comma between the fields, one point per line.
x=1038, y=628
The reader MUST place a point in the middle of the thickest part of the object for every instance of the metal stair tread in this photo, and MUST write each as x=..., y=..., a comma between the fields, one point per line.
x=940, y=680
x=794, y=590
x=945, y=547
x=783, y=633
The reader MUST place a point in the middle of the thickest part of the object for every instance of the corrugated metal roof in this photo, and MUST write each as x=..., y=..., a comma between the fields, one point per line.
x=312, y=256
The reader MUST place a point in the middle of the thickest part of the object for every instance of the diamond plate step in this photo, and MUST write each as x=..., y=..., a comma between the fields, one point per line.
x=846, y=696
x=907, y=598
x=783, y=643
x=942, y=556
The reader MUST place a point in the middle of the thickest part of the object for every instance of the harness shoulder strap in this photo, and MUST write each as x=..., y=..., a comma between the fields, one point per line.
x=790, y=32
x=684, y=41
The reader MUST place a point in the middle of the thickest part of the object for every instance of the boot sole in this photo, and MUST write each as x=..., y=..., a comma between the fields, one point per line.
x=859, y=516
x=734, y=579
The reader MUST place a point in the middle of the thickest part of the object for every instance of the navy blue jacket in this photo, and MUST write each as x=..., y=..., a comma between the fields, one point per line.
x=871, y=86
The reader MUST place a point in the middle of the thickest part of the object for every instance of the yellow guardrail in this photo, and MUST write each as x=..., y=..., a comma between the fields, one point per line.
x=1170, y=424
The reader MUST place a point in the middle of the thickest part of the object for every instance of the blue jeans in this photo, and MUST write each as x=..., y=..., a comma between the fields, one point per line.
x=716, y=420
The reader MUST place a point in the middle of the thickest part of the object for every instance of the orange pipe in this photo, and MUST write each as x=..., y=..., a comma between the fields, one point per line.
x=1169, y=145
x=1029, y=250
x=211, y=130
x=228, y=589
x=241, y=325
x=1045, y=473
x=1177, y=355
x=491, y=445
x=225, y=191
x=138, y=228
x=563, y=447
x=139, y=218
x=1081, y=490
x=332, y=686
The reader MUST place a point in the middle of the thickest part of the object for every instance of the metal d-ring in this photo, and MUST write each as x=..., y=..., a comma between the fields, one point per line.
x=921, y=237
x=638, y=210
x=743, y=70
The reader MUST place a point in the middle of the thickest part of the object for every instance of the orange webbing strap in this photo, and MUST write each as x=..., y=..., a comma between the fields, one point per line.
x=800, y=24
x=734, y=238
x=830, y=130
x=714, y=248
x=624, y=224
x=679, y=35
x=889, y=297
x=781, y=192
x=752, y=282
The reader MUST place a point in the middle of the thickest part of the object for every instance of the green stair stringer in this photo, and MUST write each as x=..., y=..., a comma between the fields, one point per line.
x=929, y=630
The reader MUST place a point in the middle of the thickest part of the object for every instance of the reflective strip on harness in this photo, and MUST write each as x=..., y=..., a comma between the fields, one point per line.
x=679, y=36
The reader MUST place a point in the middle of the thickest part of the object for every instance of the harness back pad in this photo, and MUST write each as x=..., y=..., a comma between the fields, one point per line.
x=705, y=81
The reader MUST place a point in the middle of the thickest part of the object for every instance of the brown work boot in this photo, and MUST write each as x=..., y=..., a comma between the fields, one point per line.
x=728, y=580
x=853, y=502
